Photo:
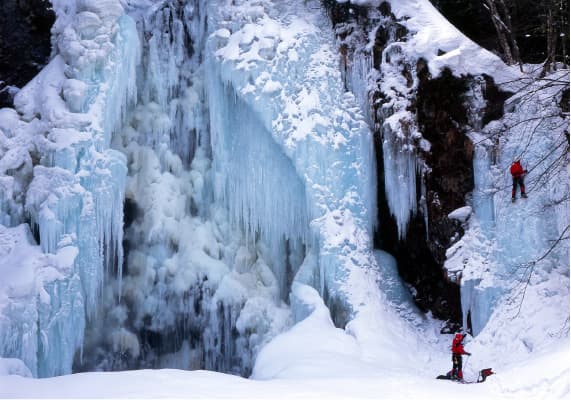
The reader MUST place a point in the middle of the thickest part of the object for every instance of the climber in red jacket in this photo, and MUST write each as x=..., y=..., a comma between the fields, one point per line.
x=518, y=173
x=457, y=352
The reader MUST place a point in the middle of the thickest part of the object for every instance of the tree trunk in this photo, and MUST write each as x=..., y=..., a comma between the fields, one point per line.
x=551, y=33
x=509, y=31
x=502, y=23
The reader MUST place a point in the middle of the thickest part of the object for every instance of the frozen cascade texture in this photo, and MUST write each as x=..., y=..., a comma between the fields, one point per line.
x=199, y=292
x=327, y=141
x=397, y=124
x=399, y=137
x=259, y=185
x=377, y=69
x=228, y=201
x=74, y=196
x=36, y=332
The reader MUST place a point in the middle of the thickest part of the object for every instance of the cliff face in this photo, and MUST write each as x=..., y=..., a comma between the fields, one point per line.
x=442, y=117
x=24, y=43
x=443, y=109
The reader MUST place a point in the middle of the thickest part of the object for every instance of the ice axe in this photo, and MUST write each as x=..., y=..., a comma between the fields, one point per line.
x=465, y=365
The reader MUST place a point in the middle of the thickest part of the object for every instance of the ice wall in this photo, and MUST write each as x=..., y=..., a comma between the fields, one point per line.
x=511, y=249
x=318, y=132
x=505, y=247
x=74, y=193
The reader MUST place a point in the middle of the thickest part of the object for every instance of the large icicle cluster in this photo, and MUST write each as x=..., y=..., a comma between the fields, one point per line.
x=59, y=175
x=321, y=172
x=402, y=38
x=382, y=65
x=233, y=199
x=196, y=293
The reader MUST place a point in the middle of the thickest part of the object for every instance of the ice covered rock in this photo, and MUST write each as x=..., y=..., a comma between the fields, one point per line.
x=461, y=214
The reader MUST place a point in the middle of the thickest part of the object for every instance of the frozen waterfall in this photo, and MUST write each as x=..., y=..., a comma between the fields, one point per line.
x=184, y=163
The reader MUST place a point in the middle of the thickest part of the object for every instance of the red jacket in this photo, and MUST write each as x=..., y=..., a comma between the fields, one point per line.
x=457, y=347
x=517, y=170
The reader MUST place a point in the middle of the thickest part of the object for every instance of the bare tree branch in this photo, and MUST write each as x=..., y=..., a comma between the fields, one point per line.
x=529, y=267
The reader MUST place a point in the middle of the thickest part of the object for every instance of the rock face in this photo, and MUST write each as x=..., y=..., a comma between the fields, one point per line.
x=440, y=108
x=24, y=43
x=442, y=117
x=448, y=178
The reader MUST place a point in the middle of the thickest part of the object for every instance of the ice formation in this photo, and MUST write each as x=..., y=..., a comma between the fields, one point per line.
x=509, y=247
x=234, y=178
x=61, y=174
x=504, y=247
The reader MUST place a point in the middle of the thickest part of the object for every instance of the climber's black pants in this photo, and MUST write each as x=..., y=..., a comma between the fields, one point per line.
x=518, y=181
x=457, y=365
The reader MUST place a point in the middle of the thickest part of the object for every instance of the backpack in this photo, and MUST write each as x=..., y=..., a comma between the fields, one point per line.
x=484, y=374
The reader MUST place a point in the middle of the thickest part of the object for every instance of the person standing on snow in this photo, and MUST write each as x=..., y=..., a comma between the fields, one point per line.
x=518, y=172
x=457, y=352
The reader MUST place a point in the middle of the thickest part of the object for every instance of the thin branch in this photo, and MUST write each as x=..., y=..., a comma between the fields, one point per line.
x=531, y=265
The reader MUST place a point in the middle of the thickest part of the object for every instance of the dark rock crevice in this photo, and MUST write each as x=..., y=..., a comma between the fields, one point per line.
x=495, y=100
x=442, y=119
x=417, y=266
x=24, y=43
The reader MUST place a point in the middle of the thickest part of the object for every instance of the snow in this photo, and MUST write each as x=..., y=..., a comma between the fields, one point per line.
x=316, y=360
x=461, y=214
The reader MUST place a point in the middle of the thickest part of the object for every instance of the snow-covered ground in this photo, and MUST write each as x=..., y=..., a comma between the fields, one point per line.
x=336, y=371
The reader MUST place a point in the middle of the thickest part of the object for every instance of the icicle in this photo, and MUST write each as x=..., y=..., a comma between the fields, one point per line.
x=400, y=166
